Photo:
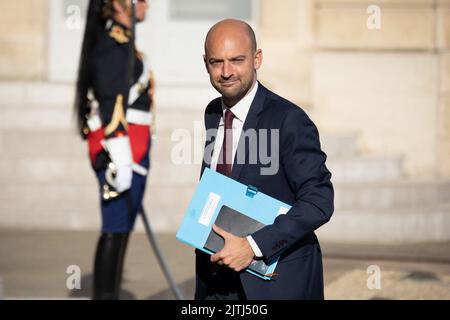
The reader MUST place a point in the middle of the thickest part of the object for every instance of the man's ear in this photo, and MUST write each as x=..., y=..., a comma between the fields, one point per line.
x=258, y=59
x=206, y=63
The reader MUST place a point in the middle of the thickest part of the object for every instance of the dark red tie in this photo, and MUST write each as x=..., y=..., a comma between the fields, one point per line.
x=226, y=154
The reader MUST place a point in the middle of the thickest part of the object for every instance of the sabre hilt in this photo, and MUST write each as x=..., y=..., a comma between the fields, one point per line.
x=108, y=190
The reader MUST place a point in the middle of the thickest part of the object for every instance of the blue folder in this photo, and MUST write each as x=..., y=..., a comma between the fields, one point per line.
x=215, y=191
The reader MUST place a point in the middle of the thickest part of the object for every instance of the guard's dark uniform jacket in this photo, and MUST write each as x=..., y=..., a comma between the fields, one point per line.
x=120, y=109
x=123, y=108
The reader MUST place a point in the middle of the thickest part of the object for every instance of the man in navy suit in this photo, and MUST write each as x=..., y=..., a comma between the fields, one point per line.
x=246, y=126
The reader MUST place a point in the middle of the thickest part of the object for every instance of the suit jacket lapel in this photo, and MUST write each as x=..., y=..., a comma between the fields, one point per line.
x=250, y=123
x=212, y=120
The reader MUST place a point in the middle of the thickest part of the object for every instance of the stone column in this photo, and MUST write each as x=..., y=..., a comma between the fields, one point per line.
x=23, y=40
x=382, y=83
x=286, y=38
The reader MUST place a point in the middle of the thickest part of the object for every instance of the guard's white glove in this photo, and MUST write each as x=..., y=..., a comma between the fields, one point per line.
x=120, y=153
x=123, y=179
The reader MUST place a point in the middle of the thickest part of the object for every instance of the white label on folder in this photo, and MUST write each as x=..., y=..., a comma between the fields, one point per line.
x=282, y=210
x=209, y=209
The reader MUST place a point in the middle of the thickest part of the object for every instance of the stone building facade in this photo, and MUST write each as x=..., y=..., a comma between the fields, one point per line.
x=373, y=75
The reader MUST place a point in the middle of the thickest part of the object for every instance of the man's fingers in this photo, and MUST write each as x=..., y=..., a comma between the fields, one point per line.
x=215, y=257
x=220, y=259
x=221, y=232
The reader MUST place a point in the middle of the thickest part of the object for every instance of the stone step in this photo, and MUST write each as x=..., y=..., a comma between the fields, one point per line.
x=339, y=145
x=61, y=118
x=388, y=226
x=344, y=169
x=365, y=168
x=77, y=207
x=35, y=144
x=61, y=95
x=78, y=171
x=45, y=170
x=56, y=169
x=404, y=194
x=35, y=118
x=55, y=127
x=69, y=197
x=52, y=210
x=32, y=94
x=168, y=119
x=66, y=194
x=67, y=145
x=352, y=167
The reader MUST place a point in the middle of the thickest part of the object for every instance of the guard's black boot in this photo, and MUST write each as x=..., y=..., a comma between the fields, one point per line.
x=108, y=265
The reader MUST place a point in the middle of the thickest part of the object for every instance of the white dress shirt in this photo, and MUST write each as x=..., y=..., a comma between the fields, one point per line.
x=240, y=111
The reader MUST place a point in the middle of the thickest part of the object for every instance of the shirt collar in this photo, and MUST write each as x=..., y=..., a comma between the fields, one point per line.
x=240, y=109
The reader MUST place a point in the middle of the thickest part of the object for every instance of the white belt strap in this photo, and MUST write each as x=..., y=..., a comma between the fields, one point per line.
x=135, y=90
x=139, y=117
x=139, y=169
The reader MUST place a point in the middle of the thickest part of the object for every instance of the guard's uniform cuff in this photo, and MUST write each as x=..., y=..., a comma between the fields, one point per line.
x=119, y=150
x=255, y=247
x=94, y=123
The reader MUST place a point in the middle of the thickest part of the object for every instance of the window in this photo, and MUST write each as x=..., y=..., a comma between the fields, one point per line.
x=210, y=9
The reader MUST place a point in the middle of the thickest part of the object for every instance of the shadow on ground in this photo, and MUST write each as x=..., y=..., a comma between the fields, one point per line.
x=187, y=289
x=86, y=290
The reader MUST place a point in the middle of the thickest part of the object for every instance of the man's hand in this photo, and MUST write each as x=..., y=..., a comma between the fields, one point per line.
x=123, y=178
x=237, y=254
x=119, y=149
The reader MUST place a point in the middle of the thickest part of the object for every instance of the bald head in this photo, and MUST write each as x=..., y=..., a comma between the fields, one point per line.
x=232, y=59
x=231, y=28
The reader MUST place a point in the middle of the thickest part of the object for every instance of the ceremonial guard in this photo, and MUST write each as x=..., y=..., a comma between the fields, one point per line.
x=113, y=106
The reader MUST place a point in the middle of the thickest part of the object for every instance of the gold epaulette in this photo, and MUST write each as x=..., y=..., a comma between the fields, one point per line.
x=119, y=34
x=117, y=118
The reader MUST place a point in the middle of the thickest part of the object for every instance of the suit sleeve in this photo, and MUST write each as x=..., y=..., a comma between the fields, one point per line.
x=110, y=82
x=304, y=165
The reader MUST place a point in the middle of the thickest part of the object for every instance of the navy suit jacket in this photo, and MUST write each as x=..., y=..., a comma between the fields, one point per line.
x=302, y=180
